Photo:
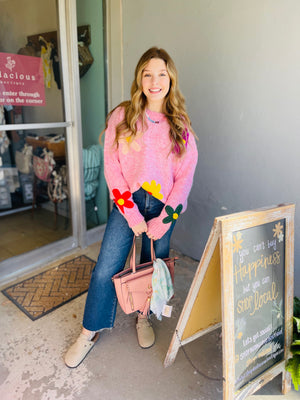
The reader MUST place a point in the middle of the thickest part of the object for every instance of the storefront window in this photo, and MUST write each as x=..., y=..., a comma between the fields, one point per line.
x=34, y=192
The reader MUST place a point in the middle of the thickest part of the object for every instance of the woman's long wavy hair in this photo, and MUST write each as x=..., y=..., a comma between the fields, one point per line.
x=173, y=106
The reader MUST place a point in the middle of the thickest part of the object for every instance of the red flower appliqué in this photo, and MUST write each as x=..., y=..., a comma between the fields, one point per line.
x=121, y=199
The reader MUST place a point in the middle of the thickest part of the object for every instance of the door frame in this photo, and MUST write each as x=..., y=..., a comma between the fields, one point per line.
x=114, y=49
x=25, y=263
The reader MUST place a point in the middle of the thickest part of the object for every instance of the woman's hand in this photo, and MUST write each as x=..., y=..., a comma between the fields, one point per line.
x=156, y=229
x=151, y=236
x=150, y=228
x=139, y=228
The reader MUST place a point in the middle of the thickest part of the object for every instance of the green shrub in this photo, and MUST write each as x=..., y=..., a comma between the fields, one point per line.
x=293, y=364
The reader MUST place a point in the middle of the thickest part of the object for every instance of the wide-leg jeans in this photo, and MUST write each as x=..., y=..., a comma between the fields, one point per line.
x=101, y=302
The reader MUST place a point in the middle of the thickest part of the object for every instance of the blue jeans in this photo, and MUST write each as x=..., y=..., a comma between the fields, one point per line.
x=101, y=302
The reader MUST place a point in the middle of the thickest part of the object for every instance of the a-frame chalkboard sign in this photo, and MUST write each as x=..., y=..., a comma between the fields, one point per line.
x=244, y=283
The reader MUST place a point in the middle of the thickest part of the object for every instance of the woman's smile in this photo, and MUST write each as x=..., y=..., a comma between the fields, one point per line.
x=155, y=83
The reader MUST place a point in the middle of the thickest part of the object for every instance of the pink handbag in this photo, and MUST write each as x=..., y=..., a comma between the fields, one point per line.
x=134, y=284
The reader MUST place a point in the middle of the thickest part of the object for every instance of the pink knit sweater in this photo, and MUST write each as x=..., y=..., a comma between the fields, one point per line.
x=146, y=161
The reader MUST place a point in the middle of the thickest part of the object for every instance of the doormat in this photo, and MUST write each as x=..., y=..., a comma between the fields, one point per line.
x=45, y=292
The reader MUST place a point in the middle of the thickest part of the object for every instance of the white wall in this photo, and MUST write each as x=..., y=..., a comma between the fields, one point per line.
x=239, y=69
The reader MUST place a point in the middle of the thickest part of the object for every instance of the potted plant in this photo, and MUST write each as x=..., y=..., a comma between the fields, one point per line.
x=293, y=364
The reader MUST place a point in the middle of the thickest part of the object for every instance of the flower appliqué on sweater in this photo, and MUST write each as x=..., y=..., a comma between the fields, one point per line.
x=185, y=139
x=172, y=214
x=153, y=188
x=129, y=142
x=121, y=199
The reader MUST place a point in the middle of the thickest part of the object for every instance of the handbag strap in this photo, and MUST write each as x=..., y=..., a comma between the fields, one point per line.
x=132, y=258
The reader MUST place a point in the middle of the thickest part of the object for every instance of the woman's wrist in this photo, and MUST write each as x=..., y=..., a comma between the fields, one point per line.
x=140, y=228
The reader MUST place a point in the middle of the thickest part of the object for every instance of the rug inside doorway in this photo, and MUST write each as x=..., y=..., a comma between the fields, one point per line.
x=45, y=292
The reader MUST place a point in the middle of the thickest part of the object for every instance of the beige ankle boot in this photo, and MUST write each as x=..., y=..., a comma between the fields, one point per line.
x=79, y=350
x=145, y=333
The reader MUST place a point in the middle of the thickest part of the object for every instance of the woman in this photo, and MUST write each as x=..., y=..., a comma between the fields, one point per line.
x=150, y=157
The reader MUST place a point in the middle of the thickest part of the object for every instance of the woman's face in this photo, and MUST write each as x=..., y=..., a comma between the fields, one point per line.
x=155, y=83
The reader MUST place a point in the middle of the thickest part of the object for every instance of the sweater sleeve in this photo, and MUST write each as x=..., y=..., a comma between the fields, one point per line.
x=177, y=200
x=117, y=185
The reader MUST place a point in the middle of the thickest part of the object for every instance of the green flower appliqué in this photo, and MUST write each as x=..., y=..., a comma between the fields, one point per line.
x=172, y=214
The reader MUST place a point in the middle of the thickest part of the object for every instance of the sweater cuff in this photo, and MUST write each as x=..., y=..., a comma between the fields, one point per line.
x=157, y=228
x=134, y=219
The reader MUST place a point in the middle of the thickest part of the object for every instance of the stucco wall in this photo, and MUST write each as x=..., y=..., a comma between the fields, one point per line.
x=239, y=69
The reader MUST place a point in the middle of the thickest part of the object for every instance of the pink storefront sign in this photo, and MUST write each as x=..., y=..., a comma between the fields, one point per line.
x=21, y=80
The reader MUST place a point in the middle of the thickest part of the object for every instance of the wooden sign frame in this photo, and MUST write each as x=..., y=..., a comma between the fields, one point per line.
x=213, y=284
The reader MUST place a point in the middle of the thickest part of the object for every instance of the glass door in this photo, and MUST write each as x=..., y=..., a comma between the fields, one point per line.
x=41, y=178
x=90, y=21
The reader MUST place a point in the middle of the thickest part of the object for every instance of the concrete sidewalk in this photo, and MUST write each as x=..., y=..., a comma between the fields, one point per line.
x=32, y=367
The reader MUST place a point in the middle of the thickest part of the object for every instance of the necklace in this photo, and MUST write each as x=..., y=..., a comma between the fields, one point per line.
x=151, y=120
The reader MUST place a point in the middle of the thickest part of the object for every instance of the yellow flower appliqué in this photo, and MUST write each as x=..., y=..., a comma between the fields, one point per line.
x=153, y=188
x=129, y=142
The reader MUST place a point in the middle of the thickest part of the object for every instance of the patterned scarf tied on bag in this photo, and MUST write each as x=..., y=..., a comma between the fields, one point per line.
x=162, y=288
